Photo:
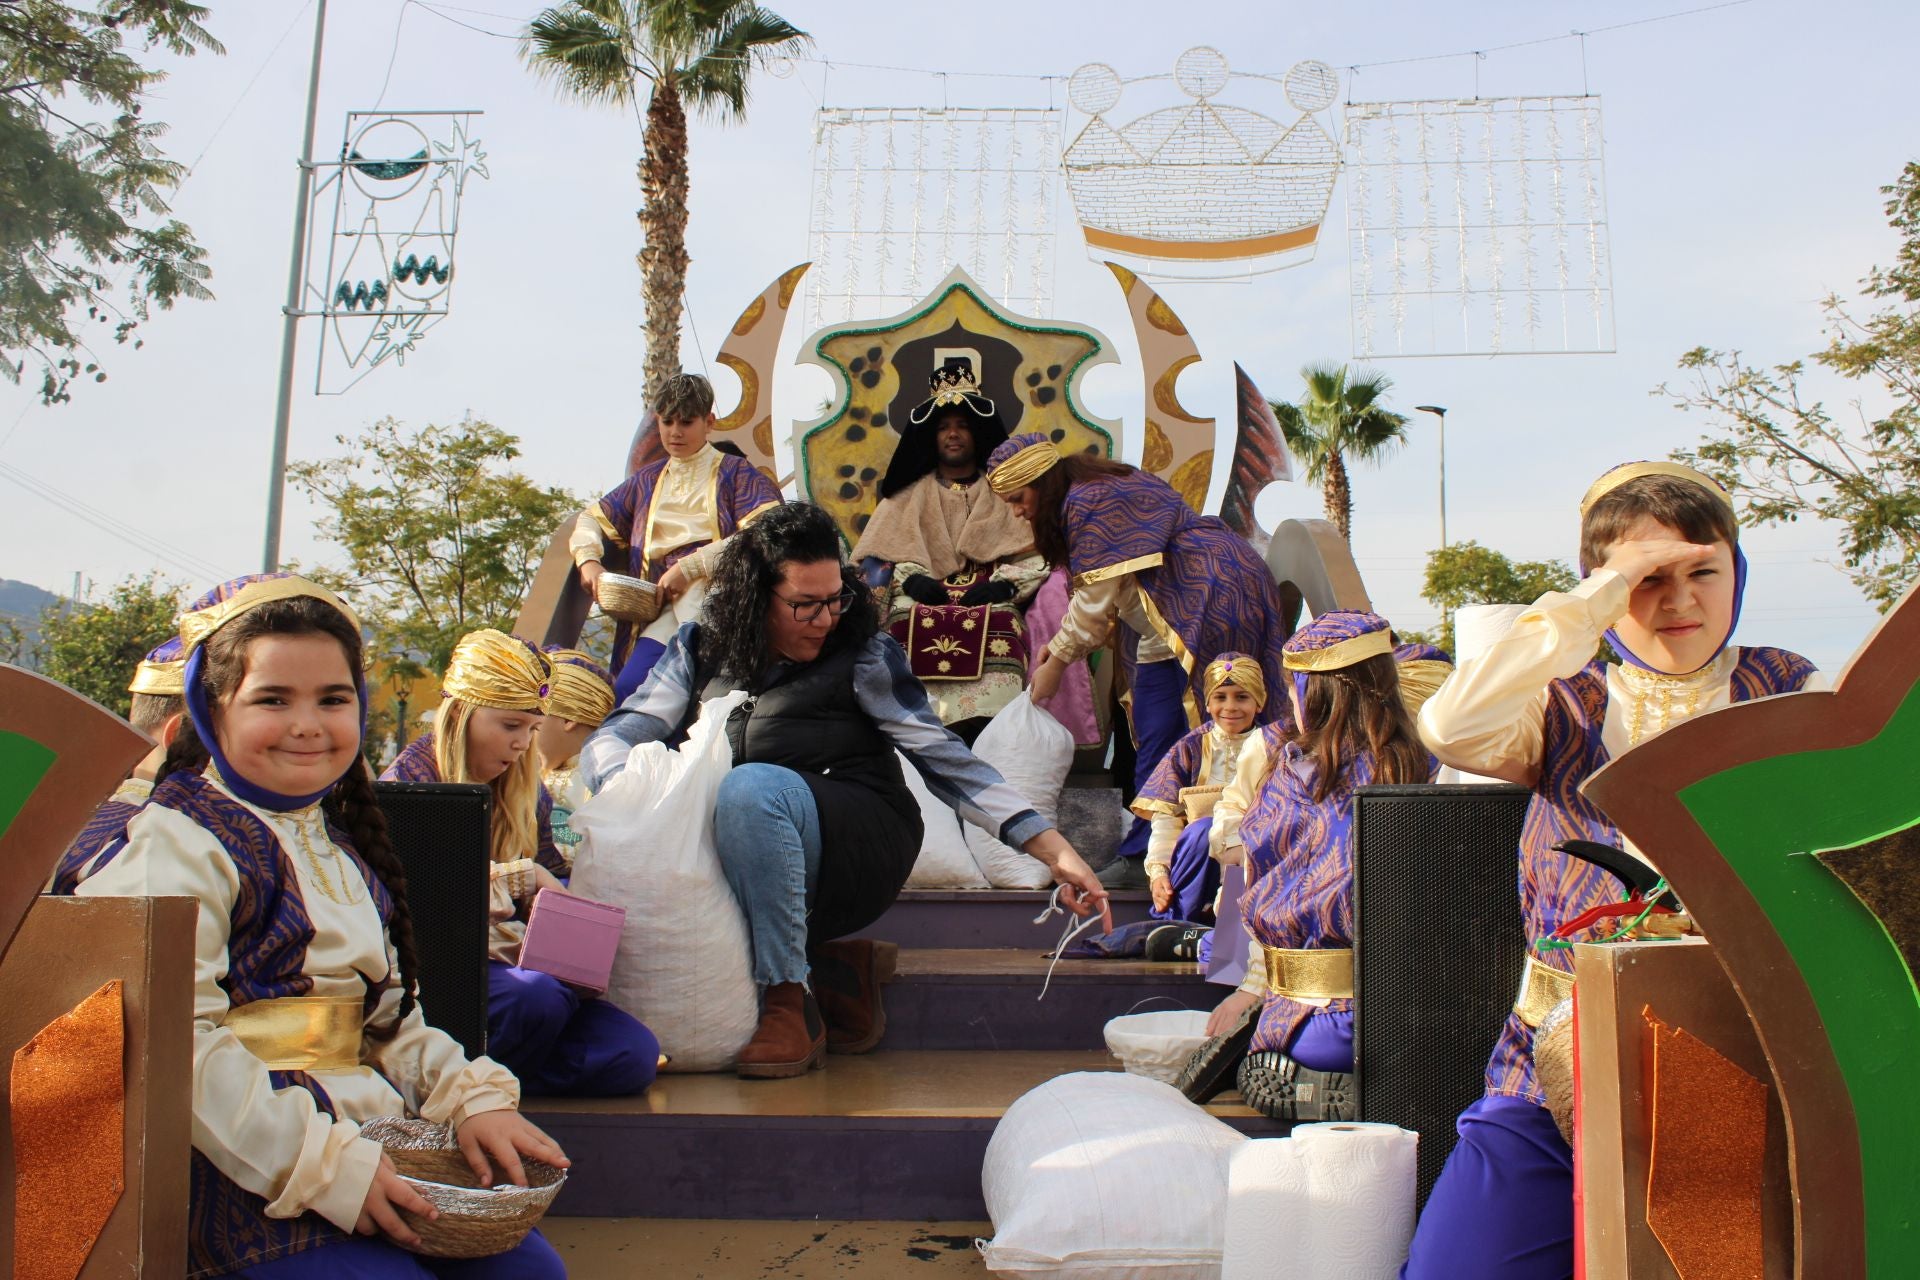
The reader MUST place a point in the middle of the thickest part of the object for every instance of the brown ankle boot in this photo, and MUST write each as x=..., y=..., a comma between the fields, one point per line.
x=791, y=1039
x=847, y=977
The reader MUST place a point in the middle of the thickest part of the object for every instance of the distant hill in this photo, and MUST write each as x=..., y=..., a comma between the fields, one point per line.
x=21, y=603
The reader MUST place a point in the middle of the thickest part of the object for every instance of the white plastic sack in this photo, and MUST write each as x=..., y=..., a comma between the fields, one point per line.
x=685, y=965
x=1033, y=752
x=944, y=862
x=1102, y=1175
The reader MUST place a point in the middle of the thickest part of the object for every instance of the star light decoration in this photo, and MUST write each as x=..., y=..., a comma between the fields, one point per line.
x=380, y=273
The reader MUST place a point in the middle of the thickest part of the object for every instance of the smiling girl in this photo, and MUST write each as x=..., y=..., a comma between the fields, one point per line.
x=494, y=697
x=305, y=1018
x=1665, y=576
x=1179, y=798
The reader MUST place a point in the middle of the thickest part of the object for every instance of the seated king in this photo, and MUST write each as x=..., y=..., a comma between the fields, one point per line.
x=957, y=564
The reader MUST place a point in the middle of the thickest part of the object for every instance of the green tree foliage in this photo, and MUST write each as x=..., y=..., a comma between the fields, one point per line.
x=93, y=648
x=81, y=174
x=1785, y=456
x=440, y=537
x=697, y=53
x=1465, y=573
x=1342, y=415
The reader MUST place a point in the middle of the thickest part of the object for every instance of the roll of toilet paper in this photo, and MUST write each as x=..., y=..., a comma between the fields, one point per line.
x=1475, y=628
x=1330, y=1202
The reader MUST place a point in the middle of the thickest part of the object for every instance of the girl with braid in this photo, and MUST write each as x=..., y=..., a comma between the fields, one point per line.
x=306, y=1023
x=494, y=702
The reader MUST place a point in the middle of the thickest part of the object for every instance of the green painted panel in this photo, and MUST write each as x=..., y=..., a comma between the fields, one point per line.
x=1768, y=818
x=23, y=762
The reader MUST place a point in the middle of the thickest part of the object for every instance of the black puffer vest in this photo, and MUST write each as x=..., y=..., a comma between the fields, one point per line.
x=807, y=718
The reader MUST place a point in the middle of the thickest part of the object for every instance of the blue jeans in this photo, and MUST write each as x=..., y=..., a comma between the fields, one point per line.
x=361, y=1258
x=767, y=829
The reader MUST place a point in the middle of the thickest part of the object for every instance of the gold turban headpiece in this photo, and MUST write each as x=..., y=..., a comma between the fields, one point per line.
x=1020, y=461
x=229, y=600
x=493, y=669
x=1635, y=470
x=582, y=690
x=162, y=673
x=1239, y=670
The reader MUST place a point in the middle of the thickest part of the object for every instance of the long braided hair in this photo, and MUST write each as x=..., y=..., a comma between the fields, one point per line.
x=350, y=804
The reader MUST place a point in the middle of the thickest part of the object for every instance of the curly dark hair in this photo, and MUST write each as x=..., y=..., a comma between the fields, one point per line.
x=1049, y=526
x=733, y=632
x=350, y=805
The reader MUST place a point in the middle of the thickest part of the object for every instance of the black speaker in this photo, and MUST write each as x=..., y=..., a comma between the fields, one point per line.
x=441, y=830
x=1438, y=951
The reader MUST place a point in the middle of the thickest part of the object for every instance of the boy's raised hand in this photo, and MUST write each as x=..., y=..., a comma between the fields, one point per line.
x=1639, y=558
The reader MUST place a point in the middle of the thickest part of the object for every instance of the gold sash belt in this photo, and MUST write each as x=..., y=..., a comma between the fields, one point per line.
x=1323, y=974
x=1541, y=988
x=1199, y=801
x=302, y=1033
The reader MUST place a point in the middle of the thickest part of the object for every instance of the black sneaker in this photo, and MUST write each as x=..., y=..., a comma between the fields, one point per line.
x=1281, y=1089
x=1177, y=940
x=1209, y=1072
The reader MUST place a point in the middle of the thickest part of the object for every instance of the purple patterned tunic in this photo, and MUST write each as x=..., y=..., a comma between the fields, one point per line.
x=1555, y=887
x=1300, y=871
x=1204, y=580
x=739, y=490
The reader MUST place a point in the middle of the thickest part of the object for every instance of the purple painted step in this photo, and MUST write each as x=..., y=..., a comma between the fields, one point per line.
x=986, y=918
x=895, y=1136
x=991, y=999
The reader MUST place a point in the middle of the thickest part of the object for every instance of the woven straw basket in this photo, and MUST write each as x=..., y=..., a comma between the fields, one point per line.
x=628, y=599
x=474, y=1221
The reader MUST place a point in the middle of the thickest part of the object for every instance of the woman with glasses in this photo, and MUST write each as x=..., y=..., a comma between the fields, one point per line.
x=815, y=826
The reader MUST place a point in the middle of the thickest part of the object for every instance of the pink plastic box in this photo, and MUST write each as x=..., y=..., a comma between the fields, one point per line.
x=573, y=939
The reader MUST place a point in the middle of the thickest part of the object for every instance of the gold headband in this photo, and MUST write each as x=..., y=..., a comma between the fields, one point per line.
x=1242, y=672
x=1607, y=483
x=160, y=679
x=195, y=627
x=492, y=669
x=1023, y=468
x=1345, y=653
x=578, y=694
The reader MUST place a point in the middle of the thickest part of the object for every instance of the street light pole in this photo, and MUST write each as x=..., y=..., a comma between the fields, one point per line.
x=1440, y=413
x=283, y=409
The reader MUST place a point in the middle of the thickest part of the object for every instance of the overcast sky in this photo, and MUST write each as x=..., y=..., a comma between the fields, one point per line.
x=1744, y=150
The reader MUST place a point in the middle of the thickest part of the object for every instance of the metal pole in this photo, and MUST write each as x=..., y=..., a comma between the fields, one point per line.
x=1440, y=413
x=283, y=411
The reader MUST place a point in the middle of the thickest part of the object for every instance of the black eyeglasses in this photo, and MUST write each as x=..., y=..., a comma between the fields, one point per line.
x=808, y=610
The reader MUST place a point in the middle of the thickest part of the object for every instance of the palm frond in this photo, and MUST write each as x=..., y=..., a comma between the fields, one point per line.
x=1303, y=439
x=717, y=85
x=586, y=49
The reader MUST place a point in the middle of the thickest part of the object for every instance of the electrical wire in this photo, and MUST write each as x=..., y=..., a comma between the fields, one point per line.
x=180, y=558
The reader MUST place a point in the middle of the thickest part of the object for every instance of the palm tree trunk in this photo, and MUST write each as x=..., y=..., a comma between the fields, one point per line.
x=1337, y=495
x=663, y=223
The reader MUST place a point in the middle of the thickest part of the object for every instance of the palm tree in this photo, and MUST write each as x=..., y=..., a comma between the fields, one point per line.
x=697, y=53
x=1341, y=416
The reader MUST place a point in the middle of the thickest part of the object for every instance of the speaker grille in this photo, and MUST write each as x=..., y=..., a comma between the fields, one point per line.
x=1439, y=952
x=440, y=830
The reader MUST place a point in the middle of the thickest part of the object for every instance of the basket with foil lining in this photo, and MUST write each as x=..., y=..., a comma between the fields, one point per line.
x=474, y=1221
x=628, y=599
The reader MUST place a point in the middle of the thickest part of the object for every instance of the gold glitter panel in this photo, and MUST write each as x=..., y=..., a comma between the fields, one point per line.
x=1707, y=1165
x=67, y=1108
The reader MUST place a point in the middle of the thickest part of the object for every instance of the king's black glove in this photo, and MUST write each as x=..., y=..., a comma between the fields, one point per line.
x=997, y=591
x=924, y=590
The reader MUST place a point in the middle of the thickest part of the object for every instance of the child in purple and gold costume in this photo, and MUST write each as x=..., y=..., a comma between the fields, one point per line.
x=157, y=709
x=1665, y=576
x=496, y=689
x=1187, y=588
x=305, y=1020
x=1179, y=798
x=668, y=521
x=1296, y=836
x=582, y=697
